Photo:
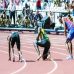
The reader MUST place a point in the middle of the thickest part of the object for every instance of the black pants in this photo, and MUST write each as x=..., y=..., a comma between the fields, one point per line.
x=15, y=39
x=12, y=14
x=46, y=46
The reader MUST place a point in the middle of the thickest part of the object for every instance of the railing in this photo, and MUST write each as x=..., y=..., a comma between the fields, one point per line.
x=41, y=11
x=32, y=29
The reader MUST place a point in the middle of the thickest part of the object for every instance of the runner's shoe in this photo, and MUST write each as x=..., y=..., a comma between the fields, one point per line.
x=69, y=57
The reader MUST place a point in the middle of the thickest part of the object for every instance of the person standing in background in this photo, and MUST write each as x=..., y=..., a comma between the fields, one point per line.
x=17, y=2
x=12, y=8
x=38, y=4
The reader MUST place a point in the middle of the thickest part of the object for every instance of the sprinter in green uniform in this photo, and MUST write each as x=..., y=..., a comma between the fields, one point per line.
x=42, y=40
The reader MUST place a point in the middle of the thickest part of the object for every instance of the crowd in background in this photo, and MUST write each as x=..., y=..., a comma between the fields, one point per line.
x=22, y=14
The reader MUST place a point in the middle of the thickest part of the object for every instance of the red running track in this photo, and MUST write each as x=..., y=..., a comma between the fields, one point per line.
x=58, y=65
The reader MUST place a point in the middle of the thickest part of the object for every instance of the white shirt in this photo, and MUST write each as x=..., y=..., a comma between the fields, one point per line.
x=12, y=7
x=19, y=8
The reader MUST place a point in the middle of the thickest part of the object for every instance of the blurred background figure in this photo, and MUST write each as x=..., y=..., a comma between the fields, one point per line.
x=12, y=8
x=38, y=4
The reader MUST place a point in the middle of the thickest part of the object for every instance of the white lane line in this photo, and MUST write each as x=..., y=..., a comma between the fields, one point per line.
x=20, y=69
x=54, y=62
x=55, y=67
x=17, y=71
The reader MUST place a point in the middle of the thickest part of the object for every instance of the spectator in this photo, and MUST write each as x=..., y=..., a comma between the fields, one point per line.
x=46, y=1
x=12, y=8
x=19, y=20
x=17, y=2
x=27, y=9
x=48, y=22
x=4, y=18
x=38, y=16
x=27, y=21
x=72, y=6
x=6, y=3
x=31, y=16
x=38, y=4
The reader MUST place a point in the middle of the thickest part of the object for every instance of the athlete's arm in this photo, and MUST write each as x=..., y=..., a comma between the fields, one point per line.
x=39, y=34
x=65, y=32
x=8, y=37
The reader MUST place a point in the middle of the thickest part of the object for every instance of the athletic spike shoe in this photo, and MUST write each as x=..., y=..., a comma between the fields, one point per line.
x=69, y=57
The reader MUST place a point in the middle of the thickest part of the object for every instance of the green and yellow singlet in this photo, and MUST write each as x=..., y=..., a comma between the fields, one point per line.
x=44, y=35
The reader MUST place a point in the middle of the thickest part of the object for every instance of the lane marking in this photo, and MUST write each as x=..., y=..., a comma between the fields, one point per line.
x=54, y=62
x=20, y=69
x=55, y=65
